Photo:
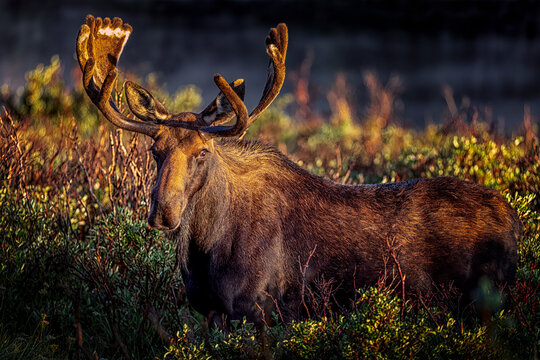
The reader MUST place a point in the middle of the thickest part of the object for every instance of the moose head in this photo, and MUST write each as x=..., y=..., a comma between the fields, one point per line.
x=183, y=143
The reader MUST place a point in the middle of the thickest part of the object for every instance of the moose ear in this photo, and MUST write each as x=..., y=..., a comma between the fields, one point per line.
x=220, y=110
x=143, y=104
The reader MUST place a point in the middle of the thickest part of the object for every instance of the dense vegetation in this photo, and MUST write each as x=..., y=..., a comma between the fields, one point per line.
x=81, y=275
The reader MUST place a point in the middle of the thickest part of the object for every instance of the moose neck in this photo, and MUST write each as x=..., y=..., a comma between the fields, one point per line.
x=207, y=217
x=240, y=174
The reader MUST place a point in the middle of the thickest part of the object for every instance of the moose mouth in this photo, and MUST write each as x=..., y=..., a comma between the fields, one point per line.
x=162, y=223
x=162, y=214
x=173, y=228
x=165, y=228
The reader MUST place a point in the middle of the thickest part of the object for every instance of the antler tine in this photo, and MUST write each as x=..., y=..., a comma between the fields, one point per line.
x=99, y=46
x=276, y=47
x=239, y=108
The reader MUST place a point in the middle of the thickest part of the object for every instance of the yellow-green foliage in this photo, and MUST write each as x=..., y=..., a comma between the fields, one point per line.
x=381, y=327
x=44, y=93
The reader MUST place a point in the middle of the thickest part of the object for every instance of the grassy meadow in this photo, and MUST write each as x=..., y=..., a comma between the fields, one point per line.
x=81, y=275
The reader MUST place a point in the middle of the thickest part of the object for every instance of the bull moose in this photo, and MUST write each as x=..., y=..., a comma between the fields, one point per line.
x=253, y=227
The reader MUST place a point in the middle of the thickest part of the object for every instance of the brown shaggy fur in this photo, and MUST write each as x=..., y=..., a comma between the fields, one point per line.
x=256, y=217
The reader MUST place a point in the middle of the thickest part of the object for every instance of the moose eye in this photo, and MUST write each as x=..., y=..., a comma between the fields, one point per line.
x=203, y=153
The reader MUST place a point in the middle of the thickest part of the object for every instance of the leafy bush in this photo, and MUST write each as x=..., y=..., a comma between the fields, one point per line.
x=381, y=327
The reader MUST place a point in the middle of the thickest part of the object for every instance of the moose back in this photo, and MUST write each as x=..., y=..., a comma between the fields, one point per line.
x=254, y=229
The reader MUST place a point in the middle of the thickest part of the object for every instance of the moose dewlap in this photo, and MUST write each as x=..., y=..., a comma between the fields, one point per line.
x=254, y=229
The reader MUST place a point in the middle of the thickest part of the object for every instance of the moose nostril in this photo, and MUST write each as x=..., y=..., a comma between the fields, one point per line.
x=165, y=222
x=152, y=224
x=156, y=220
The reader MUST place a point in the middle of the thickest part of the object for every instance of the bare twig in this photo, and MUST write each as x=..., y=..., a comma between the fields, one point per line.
x=111, y=171
x=303, y=270
x=392, y=248
x=87, y=177
x=153, y=317
x=275, y=304
x=119, y=341
x=428, y=311
x=263, y=315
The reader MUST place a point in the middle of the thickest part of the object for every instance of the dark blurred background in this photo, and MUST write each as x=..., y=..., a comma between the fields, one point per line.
x=486, y=51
